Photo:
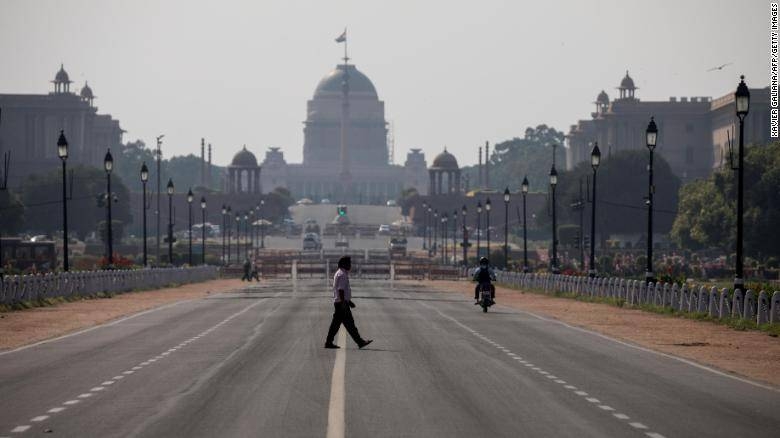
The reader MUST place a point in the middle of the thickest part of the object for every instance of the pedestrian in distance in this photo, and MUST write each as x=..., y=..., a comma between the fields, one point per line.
x=247, y=268
x=342, y=302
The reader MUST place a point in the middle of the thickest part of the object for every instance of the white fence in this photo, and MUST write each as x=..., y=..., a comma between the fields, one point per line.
x=761, y=308
x=16, y=288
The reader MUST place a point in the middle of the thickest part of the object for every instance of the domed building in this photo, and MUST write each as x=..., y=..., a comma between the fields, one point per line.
x=444, y=175
x=244, y=173
x=346, y=157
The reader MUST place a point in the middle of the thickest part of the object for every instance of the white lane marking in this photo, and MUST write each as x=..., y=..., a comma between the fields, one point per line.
x=637, y=425
x=55, y=410
x=560, y=381
x=654, y=435
x=550, y=376
x=71, y=402
x=108, y=324
x=582, y=393
x=621, y=416
x=108, y=382
x=20, y=429
x=128, y=372
x=85, y=395
x=647, y=350
x=118, y=377
x=136, y=368
x=336, y=423
x=606, y=408
x=98, y=388
x=572, y=387
x=593, y=400
x=39, y=418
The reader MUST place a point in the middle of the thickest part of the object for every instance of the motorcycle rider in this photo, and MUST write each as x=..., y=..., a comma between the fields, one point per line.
x=483, y=275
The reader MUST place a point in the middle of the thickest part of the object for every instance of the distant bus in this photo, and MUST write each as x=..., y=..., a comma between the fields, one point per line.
x=22, y=254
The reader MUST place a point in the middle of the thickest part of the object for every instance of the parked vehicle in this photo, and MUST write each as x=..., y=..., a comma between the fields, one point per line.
x=311, y=242
x=384, y=230
x=397, y=246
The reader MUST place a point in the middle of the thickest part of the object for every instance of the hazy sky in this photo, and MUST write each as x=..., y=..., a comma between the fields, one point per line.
x=452, y=73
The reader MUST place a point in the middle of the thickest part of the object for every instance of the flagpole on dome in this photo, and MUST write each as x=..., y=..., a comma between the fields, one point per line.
x=343, y=39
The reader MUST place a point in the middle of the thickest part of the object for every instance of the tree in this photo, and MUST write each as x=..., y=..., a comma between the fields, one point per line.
x=531, y=155
x=11, y=212
x=707, y=212
x=41, y=195
x=407, y=199
x=620, y=193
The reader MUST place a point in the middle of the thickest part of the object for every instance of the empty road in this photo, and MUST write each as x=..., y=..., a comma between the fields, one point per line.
x=251, y=363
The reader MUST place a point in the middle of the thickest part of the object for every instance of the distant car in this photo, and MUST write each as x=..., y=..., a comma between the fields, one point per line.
x=311, y=242
x=397, y=245
x=39, y=238
x=325, y=201
x=305, y=201
x=384, y=229
x=391, y=203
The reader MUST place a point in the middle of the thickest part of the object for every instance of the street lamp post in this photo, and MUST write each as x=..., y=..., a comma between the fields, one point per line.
x=238, y=237
x=190, y=197
x=455, y=237
x=262, y=225
x=425, y=223
x=444, y=238
x=108, y=165
x=144, y=180
x=524, y=189
x=479, y=228
x=203, y=228
x=506, y=228
x=246, y=235
x=428, y=229
x=465, y=236
x=170, y=220
x=228, y=228
x=62, y=152
x=435, y=231
x=595, y=160
x=223, y=232
x=554, y=259
x=742, y=100
x=488, y=207
x=651, y=135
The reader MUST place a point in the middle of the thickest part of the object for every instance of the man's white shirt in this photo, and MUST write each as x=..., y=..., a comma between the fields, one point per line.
x=341, y=281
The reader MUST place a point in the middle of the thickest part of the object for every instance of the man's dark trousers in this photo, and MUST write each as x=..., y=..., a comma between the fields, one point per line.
x=343, y=315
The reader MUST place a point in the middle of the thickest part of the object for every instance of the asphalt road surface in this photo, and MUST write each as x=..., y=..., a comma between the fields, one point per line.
x=251, y=364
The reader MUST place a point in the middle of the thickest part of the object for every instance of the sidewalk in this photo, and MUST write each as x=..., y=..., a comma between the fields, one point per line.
x=752, y=354
x=37, y=324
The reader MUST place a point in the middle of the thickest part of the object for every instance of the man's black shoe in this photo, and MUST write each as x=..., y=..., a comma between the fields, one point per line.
x=365, y=343
x=331, y=346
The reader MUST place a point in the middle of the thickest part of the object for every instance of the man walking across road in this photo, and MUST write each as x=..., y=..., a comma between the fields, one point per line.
x=342, y=302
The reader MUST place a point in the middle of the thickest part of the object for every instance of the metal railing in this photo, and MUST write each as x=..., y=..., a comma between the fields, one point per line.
x=18, y=288
x=762, y=308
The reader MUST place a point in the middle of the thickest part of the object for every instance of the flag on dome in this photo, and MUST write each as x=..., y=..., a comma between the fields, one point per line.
x=342, y=37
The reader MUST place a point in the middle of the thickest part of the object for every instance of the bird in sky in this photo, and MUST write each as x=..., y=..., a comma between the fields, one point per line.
x=720, y=67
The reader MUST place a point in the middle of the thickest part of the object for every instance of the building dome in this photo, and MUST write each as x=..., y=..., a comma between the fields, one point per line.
x=244, y=158
x=86, y=92
x=627, y=82
x=358, y=82
x=62, y=75
x=445, y=160
x=602, y=97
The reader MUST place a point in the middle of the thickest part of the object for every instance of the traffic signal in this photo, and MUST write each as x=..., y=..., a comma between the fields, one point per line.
x=342, y=210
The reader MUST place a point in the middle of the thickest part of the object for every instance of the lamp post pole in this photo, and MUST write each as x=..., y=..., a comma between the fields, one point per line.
x=742, y=100
x=554, y=259
x=108, y=164
x=224, y=233
x=595, y=160
x=444, y=239
x=228, y=227
x=203, y=228
x=506, y=228
x=238, y=237
x=429, y=231
x=524, y=190
x=651, y=135
x=465, y=236
x=479, y=229
x=488, y=207
x=62, y=152
x=246, y=236
x=262, y=225
x=455, y=237
x=170, y=189
x=189, y=225
x=425, y=224
x=157, y=212
x=144, y=179
x=435, y=232
x=251, y=226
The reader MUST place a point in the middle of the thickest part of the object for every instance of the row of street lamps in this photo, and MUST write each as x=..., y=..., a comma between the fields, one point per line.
x=250, y=233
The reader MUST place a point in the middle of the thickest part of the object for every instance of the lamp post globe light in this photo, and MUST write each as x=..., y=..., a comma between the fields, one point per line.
x=62, y=152
x=506, y=227
x=651, y=137
x=479, y=229
x=742, y=101
x=488, y=207
x=595, y=160
x=203, y=228
x=554, y=259
x=464, y=212
x=524, y=190
x=190, y=197
x=170, y=189
x=108, y=165
x=144, y=180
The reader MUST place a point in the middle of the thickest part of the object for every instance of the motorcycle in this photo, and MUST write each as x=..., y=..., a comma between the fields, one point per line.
x=485, y=296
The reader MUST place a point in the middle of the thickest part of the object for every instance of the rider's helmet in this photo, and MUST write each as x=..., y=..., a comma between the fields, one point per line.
x=483, y=261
